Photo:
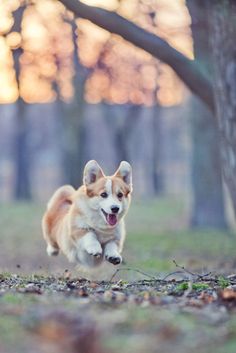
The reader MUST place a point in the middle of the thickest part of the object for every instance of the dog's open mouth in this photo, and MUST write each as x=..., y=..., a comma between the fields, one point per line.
x=110, y=218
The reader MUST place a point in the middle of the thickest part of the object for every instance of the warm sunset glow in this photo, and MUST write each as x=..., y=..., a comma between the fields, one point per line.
x=171, y=22
x=8, y=89
x=13, y=40
x=119, y=72
x=6, y=22
x=170, y=91
x=109, y=5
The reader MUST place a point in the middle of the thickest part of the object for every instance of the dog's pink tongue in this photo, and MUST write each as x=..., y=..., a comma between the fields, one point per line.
x=111, y=218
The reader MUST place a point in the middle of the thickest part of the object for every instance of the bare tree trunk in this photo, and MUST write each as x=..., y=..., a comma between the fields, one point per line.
x=158, y=179
x=222, y=15
x=75, y=137
x=74, y=143
x=208, y=201
x=21, y=153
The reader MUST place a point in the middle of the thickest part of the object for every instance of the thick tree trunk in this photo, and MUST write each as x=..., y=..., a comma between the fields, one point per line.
x=208, y=201
x=222, y=15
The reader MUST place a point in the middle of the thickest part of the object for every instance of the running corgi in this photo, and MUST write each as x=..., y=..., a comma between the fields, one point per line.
x=87, y=225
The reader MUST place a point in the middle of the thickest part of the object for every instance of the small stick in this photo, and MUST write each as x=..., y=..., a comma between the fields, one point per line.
x=132, y=269
x=191, y=273
x=171, y=274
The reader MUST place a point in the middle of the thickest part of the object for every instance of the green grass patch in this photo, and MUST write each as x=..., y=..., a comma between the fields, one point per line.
x=223, y=282
x=200, y=286
x=195, y=286
x=182, y=287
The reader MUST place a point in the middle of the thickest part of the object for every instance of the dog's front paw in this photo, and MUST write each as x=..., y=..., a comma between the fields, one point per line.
x=115, y=260
x=95, y=250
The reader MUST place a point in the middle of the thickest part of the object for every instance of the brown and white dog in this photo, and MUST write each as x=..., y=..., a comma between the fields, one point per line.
x=87, y=225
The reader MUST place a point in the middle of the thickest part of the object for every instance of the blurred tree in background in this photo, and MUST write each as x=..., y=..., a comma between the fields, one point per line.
x=22, y=168
x=222, y=15
x=208, y=200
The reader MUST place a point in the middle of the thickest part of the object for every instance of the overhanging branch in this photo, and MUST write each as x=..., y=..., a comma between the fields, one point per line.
x=187, y=70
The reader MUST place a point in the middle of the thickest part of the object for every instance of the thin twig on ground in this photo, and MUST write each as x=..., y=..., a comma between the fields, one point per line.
x=181, y=271
x=198, y=275
x=135, y=270
x=173, y=273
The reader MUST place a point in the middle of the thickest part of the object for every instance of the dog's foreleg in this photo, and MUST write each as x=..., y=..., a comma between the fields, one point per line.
x=91, y=245
x=112, y=254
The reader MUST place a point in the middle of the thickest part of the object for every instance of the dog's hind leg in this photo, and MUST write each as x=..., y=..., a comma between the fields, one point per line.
x=51, y=250
x=52, y=247
x=57, y=207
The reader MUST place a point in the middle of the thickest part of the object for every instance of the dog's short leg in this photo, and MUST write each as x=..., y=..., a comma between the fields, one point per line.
x=91, y=245
x=112, y=254
x=51, y=250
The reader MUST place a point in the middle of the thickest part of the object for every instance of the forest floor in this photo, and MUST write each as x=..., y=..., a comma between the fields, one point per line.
x=175, y=292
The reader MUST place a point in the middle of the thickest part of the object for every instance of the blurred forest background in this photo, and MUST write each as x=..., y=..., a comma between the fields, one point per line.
x=71, y=91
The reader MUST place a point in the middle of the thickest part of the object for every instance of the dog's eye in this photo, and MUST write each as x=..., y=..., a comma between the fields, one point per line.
x=104, y=195
x=119, y=195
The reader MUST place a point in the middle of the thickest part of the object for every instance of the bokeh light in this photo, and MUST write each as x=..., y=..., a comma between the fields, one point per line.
x=118, y=72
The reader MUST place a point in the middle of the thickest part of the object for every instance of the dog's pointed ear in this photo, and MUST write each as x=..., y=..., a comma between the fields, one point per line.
x=125, y=173
x=92, y=172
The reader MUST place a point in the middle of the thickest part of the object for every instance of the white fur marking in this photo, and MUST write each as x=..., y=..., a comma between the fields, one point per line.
x=51, y=251
x=111, y=200
x=108, y=186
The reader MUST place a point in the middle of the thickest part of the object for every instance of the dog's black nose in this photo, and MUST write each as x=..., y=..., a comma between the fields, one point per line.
x=114, y=209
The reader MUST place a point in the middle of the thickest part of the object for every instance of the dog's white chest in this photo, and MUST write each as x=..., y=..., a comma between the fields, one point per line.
x=104, y=238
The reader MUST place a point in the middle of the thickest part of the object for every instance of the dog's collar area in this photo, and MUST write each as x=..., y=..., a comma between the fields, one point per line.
x=89, y=229
x=98, y=230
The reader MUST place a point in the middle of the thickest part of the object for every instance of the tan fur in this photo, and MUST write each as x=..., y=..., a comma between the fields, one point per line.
x=119, y=185
x=74, y=221
x=58, y=207
x=97, y=188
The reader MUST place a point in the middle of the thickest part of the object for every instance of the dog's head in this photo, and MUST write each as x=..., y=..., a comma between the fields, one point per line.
x=109, y=196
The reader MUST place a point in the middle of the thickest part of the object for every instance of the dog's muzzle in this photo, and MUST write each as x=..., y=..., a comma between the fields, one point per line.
x=111, y=218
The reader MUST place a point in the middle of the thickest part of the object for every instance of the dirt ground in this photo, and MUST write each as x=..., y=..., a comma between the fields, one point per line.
x=149, y=315
x=175, y=292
